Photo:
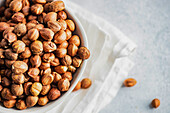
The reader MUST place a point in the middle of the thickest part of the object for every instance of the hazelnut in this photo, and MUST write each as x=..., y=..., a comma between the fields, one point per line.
x=31, y=101
x=26, y=40
x=18, y=79
x=45, y=89
x=67, y=75
x=33, y=34
x=63, y=24
x=35, y=61
x=33, y=72
x=41, y=18
x=63, y=45
x=45, y=65
x=37, y=9
x=18, y=46
x=55, y=62
x=18, y=17
x=30, y=26
x=19, y=67
x=26, y=10
x=25, y=3
x=53, y=94
x=72, y=69
x=31, y=17
x=83, y=53
x=26, y=53
x=56, y=6
x=8, y=30
x=63, y=84
x=9, y=63
x=39, y=1
x=6, y=94
x=49, y=46
x=77, y=62
x=61, y=52
x=155, y=103
x=36, y=79
x=3, y=26
x=9, y=103
x=10, y=38
x=57, y=77
x=72, y=50
x=62, y=15
x=52, y=16
x=54, y=26
x=47, y=7
x=70, y=25
x=16, y=89
x=46, y=71
x=21, y=105
x=75, y=40
x=6, y=82
x=47, y=79
x=68, y=34
x=78, y=86
x=43, y=101
x=86, y=83
x=46, y=34
x=20, y=29
x=36, y=88
x=130, y=82
x=66, y=60
x=27, y=87
x=48, y=57
x=10, y=54
x=37, y=47
x=39, y=26
x=61, y=69
x=60, y=37
x=15, y=5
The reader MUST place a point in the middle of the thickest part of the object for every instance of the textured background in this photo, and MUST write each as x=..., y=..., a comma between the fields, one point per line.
x=147, y=23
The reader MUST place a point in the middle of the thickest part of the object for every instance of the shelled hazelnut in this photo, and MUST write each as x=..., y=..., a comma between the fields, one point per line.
x=20, y=104
x=20, y=29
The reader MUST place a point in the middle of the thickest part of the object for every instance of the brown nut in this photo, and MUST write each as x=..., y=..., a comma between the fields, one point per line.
x=31, y=101
x=70, y=25
x=20, y=29
x=26, y=10
x=72, y=50
x=56, y=6
x=21, y=105
x=55, y=62
x=78, y=86
x=49, y=46
x=33, y=34
x=18, y=79
x=8, y=13
x=61, y=69
x=75, y=40
x=46, y=34
x=45, y=89
x=61, y=52
x=44, y=65
x=30, y=26
x=68, y=34
x=6, y=82
x=66, y=60
x=33, y=72
x=63, y=45
x=63, y=84
x=67, y=75
x=77, y=62
x=41, y=18
x=17, y=90
x=9, y=63
x=15, y=5
x=10, y=54
x=6, y=94
x=10, y=38
x=18, y=46
x=8, y=30
x=18, y=17
x=155, y=103
x=26, y=40
x=39, y=1
x=37, y=47
x=57, y=77
x=86, y=83
x=26, y=53
x=63, y=24
x=36, y=88
x=3, y=26
x=52, y=16
x=9, y=103
x=48, y=57
x=19, y=67
x=60, y=37
x=35, y=61
x=53, y=94
x=37, y=9
x=72, y=69
x=83, y=53
x=130, y=82
x=36, y=79
x=54, y=26
x=62, y=15
x=27, y=87
x=46, y=71
x=43, y=101
x=47, y=79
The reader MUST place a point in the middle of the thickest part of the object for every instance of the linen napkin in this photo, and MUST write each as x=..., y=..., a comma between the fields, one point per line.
x=107, y=67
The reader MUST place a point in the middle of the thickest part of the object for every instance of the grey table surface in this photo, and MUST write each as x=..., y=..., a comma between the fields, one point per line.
x=147, y=23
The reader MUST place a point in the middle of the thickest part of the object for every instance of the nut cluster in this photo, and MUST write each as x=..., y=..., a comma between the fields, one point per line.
x=39, y=52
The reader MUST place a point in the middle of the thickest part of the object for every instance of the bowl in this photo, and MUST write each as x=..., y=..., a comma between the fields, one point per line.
x=76, y=77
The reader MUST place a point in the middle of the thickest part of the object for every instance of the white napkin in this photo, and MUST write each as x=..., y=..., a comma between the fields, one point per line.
x=107, y=67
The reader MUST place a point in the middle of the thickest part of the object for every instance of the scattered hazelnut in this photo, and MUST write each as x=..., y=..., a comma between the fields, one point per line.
x=78, y=86
x=46, y=71
x=54, y=26
x=44, y=65
x=55, y=62
x=35, y=61
x=47, y=79
x=27, y=87
x=15, y=5
x=63, y=24
x=26, y=53
x=48, y=57
x=36, y=88
x=75, y=40
x=53, y=94
x=9, y=54
x=66, y=60
x=21, y=105
x=8, y=30
x=45, y=89
x=57, y=77
x=52, y=16
x=18, y=17
x=43, y=101
x=33, y=34
x=77, y=62
x=49, y=46
x=47, y=34
x=155, y=103
x=62, y=15
x=72, y=69
x=30, y=26
x=10, y=38
x=83, y=53
x=37, y=47
x=18, y=79
x=3, y=26
x=33, y=72
x=20, y=29
x=72, y=49
x=60, y=37
x=19, y=67
x=130, y=82
x=18, y=46
x=6, y=94
x=56, y=6
x=17, y=90
x=61, y=69
x=61, y=52
x=63, y=45
x=86, y=83
x=37, y=9
x=67, y=75
x=9, y=103
x=31, y=101
x=6, y=82
x=63, y=84
x=26, y=10
x=70, y=25
x=26, y=40
x=68, y=34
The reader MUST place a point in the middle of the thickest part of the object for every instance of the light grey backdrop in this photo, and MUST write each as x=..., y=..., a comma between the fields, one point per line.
x=146, y=22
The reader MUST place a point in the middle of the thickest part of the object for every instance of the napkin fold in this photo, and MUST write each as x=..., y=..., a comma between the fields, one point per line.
x=107, y=67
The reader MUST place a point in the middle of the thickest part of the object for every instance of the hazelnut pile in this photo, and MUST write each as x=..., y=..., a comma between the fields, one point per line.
x=39, y=52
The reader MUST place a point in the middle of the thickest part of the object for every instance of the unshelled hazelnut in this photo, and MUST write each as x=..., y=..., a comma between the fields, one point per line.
x=26, y=10
x=17, y=89
x=18, y=79
x=66, y=60
x=48, y=57
x=35, y=61
x=47, y=79
x=77, y=62
x=155, y=103
x=63, y=84
x=15, y=5
x=27, y=87
x=20, y=29
x=86, y=83
x=60, y=37
x=54, y=26
x=56, y=6
x=44, y=65
x=36, y=88
x=70, y=25
x=31, y=101
x=6, y=82
x=8, y=30
x=33, y=34
x=53, y=94
x=3, y=26
x=18, y=46
x=18, y=17
x=9, y=103
x=33, y=72
x=83, y=53
x=52, y=16
x=10, y=38
x=45, y=89
x=63, y=45
x=57, y=77
x=9, y=54
x=37, y=9
x=68, y=34
x=61, y=69
x=39, y=1
x=37, y=47
x=21, y=105
x=19, y=67
x=49, y=46
x=6, y=94
x=130, y=82
x=62, y=15
x=55, y=62
x=72, y=69
x=46, y=71
x=43, y=101
x=46, y=34
x=67, y=75
x=78, y=86
x=75, y=40
x=61, y=52
x=63, y=24
x=72, y=50
x=9, y=63
x=26, y=40
x=26, y=53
